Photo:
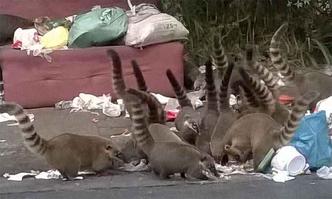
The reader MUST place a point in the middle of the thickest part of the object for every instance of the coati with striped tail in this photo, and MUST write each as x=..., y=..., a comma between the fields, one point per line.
x=69, y=153
x=226, y=115
x=156, y=110
x=118, y=83
x=257, y=133
x=167, y=158
x=188, y=120
x=269, y=104
x=298, y=83
x=210, y=114
x=126, y=142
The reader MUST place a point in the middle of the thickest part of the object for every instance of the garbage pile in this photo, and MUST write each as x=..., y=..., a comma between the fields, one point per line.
x=140, y=26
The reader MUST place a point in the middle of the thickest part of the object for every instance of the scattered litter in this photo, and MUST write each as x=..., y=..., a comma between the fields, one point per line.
x=234, y=169
x=325, y=172
x=95, y=120
x=50, y=174
x=281, y=176
x=162, y=99
x=4, y=117
x=63, y=104
x=195, y=97
x=288, y=159
x=142, y=166
x=311, y=139
x=87, y=102
x=46, y=175
x=19, y=176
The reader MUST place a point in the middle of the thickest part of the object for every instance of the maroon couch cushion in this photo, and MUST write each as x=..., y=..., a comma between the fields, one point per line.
x=59, y=8
x=33, y=82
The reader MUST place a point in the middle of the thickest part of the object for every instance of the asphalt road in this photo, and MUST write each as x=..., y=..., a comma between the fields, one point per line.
x=14, y=158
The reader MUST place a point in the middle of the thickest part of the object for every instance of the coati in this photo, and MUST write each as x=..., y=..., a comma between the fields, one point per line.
x=69, y=153
x=126, y=142
x=257, y=133
x=188, y=119
x=298, y=83
x=269, y=104
x=210, y=113
x=226, y=116
x=167, y=158
x=265, y=74
x=8, y=25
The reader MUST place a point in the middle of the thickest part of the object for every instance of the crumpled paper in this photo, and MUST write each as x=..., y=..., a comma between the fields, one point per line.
x=281, y=176
x=88, y=102
x=142, y=166
x=4, y=117
x=325, y=172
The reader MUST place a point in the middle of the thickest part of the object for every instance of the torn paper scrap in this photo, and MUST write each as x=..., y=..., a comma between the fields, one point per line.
x=4, y=117
x=19, y=176
x=142, y=166
x=281, y=176
x=325, y=172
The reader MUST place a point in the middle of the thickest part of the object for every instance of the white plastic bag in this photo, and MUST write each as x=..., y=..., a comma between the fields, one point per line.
x=148, y=26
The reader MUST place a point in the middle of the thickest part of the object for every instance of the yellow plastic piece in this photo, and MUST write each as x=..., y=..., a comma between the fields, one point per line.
x=55, y=38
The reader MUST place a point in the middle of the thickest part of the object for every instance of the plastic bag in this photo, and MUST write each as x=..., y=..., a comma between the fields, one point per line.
x=98, y=27
x=148, y=26
x=56, y=38
x=311, y=140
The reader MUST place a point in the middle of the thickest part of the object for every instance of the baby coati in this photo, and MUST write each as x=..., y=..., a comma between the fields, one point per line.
x=69, y=153
x=188, y=119
x=8, y=25
x=226, y=116
x=298, y=83
x=257, y=133
x=167, y=158
x=210, y=113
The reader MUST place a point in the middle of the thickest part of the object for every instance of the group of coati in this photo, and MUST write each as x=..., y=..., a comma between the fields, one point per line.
x=218, y=134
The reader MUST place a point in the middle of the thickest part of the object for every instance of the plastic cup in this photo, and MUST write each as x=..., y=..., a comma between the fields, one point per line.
x=289, y=159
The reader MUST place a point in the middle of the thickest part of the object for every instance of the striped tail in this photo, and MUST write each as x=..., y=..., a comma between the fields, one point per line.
x=261, y=90
x=219, y=57
x=275, y=53
x=246, y=94
x=139, y=76
x=178, y=89
x=141, y=132
x=212, y=101
x=32, y=140
x=263, y=73
x=223, y=89
x=299, y=109
x=118, y=82
x=156, y=111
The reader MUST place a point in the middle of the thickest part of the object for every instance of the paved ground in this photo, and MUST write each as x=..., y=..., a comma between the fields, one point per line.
x=15, y=158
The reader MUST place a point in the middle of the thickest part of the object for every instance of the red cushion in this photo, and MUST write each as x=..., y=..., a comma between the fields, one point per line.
x=33, y=82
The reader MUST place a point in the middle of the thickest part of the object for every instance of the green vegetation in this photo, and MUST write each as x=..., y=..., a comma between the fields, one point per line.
x=308, y=39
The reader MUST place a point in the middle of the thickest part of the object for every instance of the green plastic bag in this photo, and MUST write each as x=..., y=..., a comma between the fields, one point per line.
x=98, y=27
